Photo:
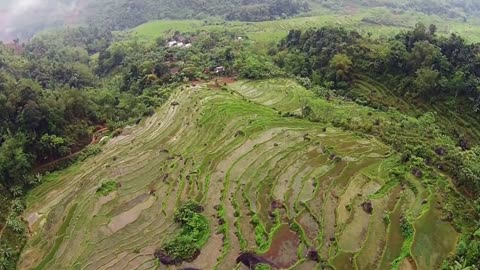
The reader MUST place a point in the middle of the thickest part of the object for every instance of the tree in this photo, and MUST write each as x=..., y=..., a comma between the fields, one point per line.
x=432, y=29
x=419, y=33
x=30, y=116
x=426, y=81
x=341, y=66
x=295, y=63
x=52, y=145
x=255, y=67
x=14, y=162
x=424, y=54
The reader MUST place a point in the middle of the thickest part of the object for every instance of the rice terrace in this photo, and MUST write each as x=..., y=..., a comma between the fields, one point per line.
x=240, y=134
x=313, y=195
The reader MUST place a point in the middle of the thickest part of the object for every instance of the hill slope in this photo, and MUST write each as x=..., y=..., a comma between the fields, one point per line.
x=279, y=186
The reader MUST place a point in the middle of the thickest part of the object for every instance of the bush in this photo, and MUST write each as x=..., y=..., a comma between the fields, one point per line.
x=90, y=150
x=193, y=235
x=181, y=248
x=256, y=67
x=468, y=251
x=406, y=228
x=107, y=187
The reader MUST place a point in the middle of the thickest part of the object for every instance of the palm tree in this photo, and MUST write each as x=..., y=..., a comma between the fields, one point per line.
x=14, y=223
x=16, y=191
x=4, y=263
x=342, y=66
x=6, y=251
x=17, y=206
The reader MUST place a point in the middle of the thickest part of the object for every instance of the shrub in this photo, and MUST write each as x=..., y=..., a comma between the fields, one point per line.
x=406, y=228
x=107, y=187
x=90, y=150
x=193, y=234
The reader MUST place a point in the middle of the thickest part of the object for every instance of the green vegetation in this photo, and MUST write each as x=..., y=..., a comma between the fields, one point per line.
x=262, y=266
x=346, y=138
x=261, y=126
x=451, y=8
x=107, y=187
x=118, y=15
x=421, y=69
x=58, y=241
x=194, y=232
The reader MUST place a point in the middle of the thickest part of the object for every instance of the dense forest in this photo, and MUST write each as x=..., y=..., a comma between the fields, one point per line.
x=451, y=8
x=416, y=64
x=117, y=15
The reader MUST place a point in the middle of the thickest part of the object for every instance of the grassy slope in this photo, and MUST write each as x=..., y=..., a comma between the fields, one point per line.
x=233, y=149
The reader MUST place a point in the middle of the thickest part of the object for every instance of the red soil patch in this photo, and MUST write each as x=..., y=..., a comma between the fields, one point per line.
x=227, y=80
x=283, y=251
x=222, y=81
x=412, y=263
x=196, y=82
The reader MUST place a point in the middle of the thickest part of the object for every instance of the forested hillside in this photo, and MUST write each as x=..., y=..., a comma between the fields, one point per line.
x=420, y=71
x=271, y=143
x=450, y=8
x=117, y=15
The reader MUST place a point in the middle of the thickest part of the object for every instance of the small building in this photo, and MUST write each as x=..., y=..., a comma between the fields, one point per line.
x=179, y=41
x=219, y=70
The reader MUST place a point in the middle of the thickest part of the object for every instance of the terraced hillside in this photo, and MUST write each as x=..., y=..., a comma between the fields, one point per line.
x=291, y=193
x=451, y=119
x=268, y=32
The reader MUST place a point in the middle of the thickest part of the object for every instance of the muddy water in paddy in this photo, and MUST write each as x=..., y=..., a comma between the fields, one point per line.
x=428, y=250
x=395, y=238
x=283, y=250
x=343, y=261
x=309, y=225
